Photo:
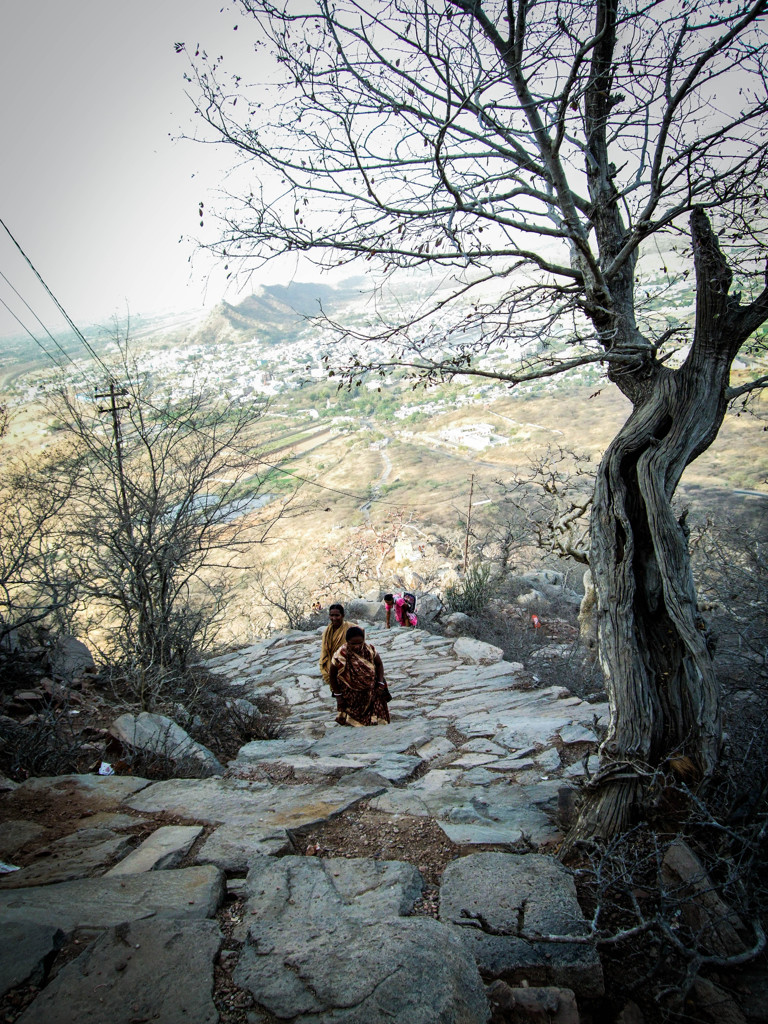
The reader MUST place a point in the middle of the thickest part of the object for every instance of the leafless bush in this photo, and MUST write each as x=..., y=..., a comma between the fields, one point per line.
x=159, y=490
x=36, y=582
x=549, y=504
x=283, y=590
x=47, y=745
x=681, y=895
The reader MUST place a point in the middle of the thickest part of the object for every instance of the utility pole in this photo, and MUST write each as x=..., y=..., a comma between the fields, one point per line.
x=113, y=394
x=469, y=519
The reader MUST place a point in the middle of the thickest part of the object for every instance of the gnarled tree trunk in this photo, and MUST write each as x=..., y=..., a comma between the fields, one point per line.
x=659, y=674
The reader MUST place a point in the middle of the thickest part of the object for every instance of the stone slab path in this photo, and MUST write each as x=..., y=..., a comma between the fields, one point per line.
x=473, y=746
x=470, y=743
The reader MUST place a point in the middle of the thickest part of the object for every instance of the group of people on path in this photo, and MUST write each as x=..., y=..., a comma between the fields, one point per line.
x=353, y=669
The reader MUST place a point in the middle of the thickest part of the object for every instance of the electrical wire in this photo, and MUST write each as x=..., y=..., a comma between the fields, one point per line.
x=36, y=340
x=34, y=314
x=78, y=333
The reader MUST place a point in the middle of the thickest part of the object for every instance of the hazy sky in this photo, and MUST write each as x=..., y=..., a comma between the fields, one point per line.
x=92, y=184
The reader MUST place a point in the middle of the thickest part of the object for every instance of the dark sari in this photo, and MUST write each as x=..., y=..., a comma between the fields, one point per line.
x=357, y=682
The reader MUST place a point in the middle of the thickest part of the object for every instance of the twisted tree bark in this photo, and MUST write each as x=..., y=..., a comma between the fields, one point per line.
x=658, y=670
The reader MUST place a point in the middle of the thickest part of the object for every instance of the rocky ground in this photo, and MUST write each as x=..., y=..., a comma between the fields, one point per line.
x=324, y=875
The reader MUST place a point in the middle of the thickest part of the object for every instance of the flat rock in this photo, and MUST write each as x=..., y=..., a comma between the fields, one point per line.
x=396, y=737
x=319, y=767
x=257, y=805
x=233, y=848
x=496, y=901
x=83, y=853
x=359, y=887
x=471, y=760
x=529, y=730
x=396, y=767
x=400, y=801
x=25, y=949
x=117, y=821
x=548, y=761
x=484, y=746
x=192, y=893
x=528, y=822
x=165, y=848
x=576, y=733
x=17, y=833
x=92, y=792
x=480, y=776
x=263, y=751
x=312, y=954
x=142, y=971
x=438, y=747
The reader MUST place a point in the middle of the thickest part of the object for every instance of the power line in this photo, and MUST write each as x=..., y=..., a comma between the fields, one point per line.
x=59, y=306
x=34, y=314
x=36, y=340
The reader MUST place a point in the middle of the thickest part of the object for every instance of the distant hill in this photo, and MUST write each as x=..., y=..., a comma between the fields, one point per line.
x=274, y=310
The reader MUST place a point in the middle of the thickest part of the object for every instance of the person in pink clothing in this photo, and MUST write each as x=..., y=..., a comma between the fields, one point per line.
x=404, y=610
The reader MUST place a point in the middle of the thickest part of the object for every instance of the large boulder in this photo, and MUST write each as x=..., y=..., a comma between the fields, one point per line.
x=477, y=652
x=543, y=578
x=70, y=659
x=428, y=607
x=408, y=551
x=359, y=610
x=533, y=601
x=458, y=624
x=156, y=734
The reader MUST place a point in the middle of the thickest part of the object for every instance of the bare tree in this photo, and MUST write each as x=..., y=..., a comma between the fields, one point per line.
x=540, y=151
x=551, y=502
x=36, y=585
x=282, y=588
x=161, y=510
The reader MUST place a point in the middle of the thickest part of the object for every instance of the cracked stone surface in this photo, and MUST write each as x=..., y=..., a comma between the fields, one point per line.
x=312, y=954
x=438, y=685
x=146, y=970
x=497, y=901
x=195, y=892
x=86, y=852
x=471, y=745
x=164, y=849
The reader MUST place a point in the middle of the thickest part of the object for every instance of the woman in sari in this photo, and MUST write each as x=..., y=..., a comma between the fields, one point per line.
x=357, y=682
x=333, y=637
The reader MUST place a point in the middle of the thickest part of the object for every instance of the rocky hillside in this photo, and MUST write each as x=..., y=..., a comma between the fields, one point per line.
x=358, y=875
x=473, y=752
